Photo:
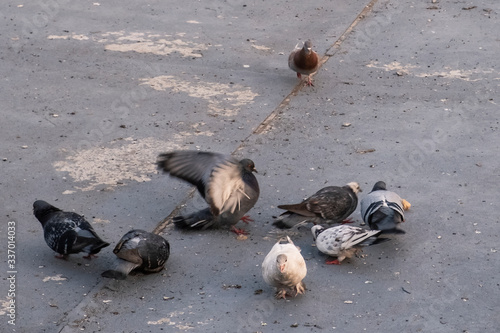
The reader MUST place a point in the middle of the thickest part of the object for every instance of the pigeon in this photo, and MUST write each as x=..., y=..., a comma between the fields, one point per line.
x=332, y=204
x=67, y=232
x=344, y=241
x=227, y=185
x=139, y=249
x=384, y=210
x=304, y=61
x=285, y=268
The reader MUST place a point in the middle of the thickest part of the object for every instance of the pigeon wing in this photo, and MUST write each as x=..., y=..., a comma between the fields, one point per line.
x=352, y=236
x=226, y=188
x=194, y=167
x=376, y=199
x=332, y=203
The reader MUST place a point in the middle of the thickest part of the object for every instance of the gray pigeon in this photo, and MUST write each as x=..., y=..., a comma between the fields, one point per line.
x=383, y=210
x=304, y=61
x=227, y=185
x=285, y=268
x=67, y=232
x=331, y=204
x=139, y=249
x=344, y=241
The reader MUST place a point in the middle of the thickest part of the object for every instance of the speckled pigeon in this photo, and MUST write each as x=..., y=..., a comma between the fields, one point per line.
x=344, y=241
x=139, y=249
x=383, y=210
x=331, y=204
x=227, y=185
x=304, y=61
x=285, y=268
x=67, y=232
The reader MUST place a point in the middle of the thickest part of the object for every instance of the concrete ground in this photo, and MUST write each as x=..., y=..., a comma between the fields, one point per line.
x=408, y=93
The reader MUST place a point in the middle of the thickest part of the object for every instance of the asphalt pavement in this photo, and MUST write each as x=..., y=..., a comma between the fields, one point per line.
x=93, y=91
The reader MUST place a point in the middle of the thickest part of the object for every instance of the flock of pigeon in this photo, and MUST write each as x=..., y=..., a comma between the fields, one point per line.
x=230, y=189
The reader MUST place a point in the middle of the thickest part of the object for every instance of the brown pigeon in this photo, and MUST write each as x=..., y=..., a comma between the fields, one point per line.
x=331, y=204
x=304, y=61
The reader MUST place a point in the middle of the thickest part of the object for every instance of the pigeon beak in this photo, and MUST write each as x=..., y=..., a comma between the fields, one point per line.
x=254, y=170
x=282, y=268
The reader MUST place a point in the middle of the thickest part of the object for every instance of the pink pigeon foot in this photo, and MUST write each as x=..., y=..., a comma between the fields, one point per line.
x=309, y=82
x=246, y=219
x=349, y=220
x=332, y=262
x=239, y=231
x=90, y=256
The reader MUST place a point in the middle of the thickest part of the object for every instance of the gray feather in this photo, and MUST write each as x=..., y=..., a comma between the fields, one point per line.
x=344, y=241
x=331, y=204
x=139, y=249
x=382, y=209
x=228, y=186
x=67, y=232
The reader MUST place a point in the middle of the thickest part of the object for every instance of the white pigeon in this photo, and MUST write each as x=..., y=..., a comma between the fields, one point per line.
x=344, y=241
x=285, y=268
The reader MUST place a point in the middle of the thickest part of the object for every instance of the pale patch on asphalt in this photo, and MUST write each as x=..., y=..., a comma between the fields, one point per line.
x=261, y=47
x=168, y=321
x=4, y=309
x=142, y=42
x=466, y=75
x=72, y=36
x=393, y=66
x=103, y=221
x=448, y=72
x=122, y=161
x=223, y=99
x=57, y=277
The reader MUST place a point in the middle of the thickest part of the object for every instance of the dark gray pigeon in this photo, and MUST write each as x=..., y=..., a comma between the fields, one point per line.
x=383, y=210
x=139, y=249
x=227, y=185
x=344, y=241
x=332, y=204
x=67, y=232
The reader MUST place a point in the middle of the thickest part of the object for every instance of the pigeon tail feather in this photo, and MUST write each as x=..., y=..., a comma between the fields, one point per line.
x=122, y=269
x=385, y=218
x=200, y=220
x=290, y=220
x=374, y=241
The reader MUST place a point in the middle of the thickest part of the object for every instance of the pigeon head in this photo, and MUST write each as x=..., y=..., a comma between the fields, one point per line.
x=355, y=187
x=379, y=186
x=248, y=165
x=42, y=210
x=316, y=230
x=281, y=262
x=308, y=46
